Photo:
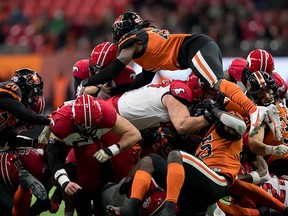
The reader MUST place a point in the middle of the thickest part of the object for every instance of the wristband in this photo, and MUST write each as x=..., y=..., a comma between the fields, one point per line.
x=115, y=149
x=61, y=177
x=214, y=111
x=269, y=149
x=255, y=176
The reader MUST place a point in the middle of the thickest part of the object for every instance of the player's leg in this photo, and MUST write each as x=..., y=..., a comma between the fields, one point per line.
x=141, y=184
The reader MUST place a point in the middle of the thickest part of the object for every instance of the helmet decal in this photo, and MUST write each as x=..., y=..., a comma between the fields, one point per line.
x=260, y=60
x=29, y=82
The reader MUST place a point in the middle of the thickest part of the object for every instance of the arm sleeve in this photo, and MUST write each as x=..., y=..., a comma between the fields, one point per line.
x=56, y=155
x=106, y=74
x=120, y=89
x=142, y=79
x=77, y=82
x=21, y=112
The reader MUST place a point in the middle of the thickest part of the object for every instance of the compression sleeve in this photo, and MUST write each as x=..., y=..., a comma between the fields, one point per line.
x=77, y=82
x=56, y=155
x=236, y=94
x=22, y=113
x=106, y=74
x=142, y=79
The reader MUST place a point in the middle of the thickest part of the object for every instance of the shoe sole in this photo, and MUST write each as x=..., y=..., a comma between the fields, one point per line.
x=38, y=190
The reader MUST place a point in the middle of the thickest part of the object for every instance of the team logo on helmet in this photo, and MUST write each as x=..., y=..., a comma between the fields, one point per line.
x=153, y=203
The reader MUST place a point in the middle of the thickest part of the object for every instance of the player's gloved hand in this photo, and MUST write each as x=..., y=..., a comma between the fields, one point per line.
x=219, y=100
x=107, y=153
x=211, y=106
x=210, y=118
x=279, y=150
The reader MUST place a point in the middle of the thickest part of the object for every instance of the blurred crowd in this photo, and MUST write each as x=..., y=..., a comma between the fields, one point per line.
x=238, y=26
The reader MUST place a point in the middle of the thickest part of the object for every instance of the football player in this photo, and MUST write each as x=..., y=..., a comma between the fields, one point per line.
x=263, y=90
x=80, y=123
x=257, y=60
x=155, y=49
x=21, y=107
x=166, y=102
x=214, y=168
x=17, y=94
x=102, y=56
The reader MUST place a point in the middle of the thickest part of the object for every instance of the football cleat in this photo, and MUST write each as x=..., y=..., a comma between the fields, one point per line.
x=265, y=211
x=256, y=119
x=273, y=121
x=28, y=181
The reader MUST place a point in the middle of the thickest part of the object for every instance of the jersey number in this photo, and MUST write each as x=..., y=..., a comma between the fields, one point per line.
x=12, y=86
x=206, y=148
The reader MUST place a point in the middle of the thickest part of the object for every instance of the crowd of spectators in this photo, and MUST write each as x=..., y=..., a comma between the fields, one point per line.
x=238, y=26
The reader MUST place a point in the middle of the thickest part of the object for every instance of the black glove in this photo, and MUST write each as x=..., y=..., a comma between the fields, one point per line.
x=210, y=106
x=210, y=118
x=219, y=100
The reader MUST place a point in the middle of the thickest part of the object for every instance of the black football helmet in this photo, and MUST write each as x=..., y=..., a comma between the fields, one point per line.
x=259, y=82
x=127, y=22
x=30, y=84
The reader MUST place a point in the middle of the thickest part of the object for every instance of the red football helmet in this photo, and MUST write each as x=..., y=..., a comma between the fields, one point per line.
x=101, y=56
x=260, y=60
x=87, y=115
x=195, y=85
x=10, y=166
x=154, y=203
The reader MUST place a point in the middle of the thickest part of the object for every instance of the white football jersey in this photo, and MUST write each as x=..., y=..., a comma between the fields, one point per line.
x=143, y=107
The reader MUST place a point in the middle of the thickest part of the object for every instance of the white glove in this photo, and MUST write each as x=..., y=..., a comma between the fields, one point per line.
x=105, y=154
x=279, y=150
x=44, y=135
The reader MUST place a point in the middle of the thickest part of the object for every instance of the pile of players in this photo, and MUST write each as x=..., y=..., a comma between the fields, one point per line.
x=135, y=147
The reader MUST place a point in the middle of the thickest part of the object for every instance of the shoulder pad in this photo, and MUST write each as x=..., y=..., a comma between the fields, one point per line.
x=81, y=69
x=236, y=68
x=180, y=90
x=131, y=38
x=10, y=89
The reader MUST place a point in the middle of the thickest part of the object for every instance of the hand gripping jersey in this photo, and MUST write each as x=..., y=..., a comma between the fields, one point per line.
x=143, y=107
x=62, y=124
x=221, y=155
